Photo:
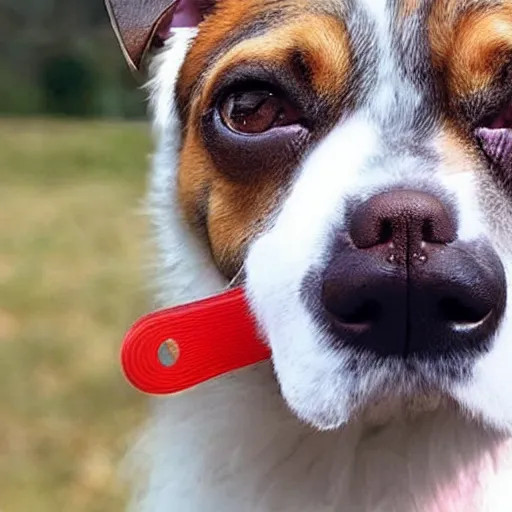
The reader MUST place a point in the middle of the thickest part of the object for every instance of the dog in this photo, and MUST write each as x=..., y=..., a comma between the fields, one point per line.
x=349, y=162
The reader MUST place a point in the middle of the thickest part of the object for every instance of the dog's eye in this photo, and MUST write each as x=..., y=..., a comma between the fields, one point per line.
x=495, y=137
x=254, y=130
x=257, y=111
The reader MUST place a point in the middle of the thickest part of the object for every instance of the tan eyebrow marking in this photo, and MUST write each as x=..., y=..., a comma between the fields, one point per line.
x=227, y=18
x=470, y=47
x=321, y=40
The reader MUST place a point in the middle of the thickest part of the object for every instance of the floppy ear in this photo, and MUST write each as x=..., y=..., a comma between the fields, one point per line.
x=139, y=24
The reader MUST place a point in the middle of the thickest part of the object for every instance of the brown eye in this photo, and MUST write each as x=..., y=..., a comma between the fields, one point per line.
x=257, y=111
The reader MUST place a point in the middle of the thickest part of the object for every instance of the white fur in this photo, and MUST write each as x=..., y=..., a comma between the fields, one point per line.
x=311, y=375
x=232, y=445
x=391, y=89
x=185, y=270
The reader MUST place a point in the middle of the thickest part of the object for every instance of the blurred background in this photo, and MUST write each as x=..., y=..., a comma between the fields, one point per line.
x=73, y=157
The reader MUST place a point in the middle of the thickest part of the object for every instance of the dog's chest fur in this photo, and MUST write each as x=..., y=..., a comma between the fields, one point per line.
x=231, y=446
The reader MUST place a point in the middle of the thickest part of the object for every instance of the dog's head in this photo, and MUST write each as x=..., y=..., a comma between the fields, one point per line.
x=352, y=161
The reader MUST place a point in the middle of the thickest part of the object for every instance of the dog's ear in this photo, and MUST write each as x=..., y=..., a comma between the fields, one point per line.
x=139, y=24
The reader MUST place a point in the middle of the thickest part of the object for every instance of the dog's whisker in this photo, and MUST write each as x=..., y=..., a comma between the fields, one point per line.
x=238, y=279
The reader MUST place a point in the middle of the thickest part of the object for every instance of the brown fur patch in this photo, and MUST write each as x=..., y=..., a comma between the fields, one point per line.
x=409, y=7
x=237, y=211
x=470, y=46
x=234, y=211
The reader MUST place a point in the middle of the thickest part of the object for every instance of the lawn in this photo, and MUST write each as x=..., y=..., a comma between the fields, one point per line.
x=72, y=259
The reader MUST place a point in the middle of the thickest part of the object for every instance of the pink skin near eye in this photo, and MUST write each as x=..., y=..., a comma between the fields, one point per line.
x=496, y=141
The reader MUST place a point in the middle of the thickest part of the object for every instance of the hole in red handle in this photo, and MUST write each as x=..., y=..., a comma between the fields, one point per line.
x=168, y=353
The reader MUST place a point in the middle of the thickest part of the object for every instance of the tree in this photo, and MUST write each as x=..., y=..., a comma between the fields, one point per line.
x=61, y=57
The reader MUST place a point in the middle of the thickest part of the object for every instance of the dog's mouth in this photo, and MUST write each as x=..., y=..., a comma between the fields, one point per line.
x=374, y=391
x=407, y=388
x=381, y=410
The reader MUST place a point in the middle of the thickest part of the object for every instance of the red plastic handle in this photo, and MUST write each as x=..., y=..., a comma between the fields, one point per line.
x=174, y=349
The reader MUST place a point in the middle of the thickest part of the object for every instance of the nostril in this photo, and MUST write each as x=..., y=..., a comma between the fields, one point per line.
x=453, y=311
x=427, y=231
x=385, y=232
x=365, y=313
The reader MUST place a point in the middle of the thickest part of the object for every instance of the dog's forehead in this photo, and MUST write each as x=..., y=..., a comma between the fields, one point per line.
x=398, y=9
x=391, y=12
x=416, y=32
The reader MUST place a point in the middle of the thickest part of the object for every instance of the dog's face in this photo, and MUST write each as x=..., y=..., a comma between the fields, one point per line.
x=351, y=160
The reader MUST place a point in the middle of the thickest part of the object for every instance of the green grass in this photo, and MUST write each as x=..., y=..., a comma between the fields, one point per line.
x=71, y=283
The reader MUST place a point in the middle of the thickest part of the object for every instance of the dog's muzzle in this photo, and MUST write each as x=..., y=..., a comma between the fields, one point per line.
x=400, y=283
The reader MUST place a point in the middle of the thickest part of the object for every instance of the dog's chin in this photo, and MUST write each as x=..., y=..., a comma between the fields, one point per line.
x=372, y=411
x=396, y=390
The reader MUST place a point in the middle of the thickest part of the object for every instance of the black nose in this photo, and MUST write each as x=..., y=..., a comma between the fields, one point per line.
x=400, y=282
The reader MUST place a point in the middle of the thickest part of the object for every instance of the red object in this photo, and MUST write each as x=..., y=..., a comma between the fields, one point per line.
x=174, y=349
